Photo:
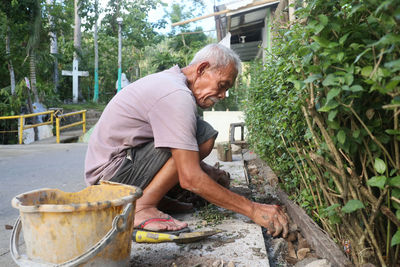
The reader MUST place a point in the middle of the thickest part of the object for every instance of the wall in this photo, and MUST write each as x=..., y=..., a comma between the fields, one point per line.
x=221, y=121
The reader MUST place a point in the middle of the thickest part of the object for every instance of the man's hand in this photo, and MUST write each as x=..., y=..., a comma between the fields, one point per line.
x=271, y=217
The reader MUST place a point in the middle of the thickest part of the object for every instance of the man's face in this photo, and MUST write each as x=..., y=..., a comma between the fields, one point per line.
x=211, y=84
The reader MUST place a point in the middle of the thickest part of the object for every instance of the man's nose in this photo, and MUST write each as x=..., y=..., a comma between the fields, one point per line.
x=222, y=95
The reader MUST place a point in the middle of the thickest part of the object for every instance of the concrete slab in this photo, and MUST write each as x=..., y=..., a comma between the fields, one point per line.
x=241, y=242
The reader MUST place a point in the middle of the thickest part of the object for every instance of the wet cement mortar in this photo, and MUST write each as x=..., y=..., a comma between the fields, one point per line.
x=282, y=252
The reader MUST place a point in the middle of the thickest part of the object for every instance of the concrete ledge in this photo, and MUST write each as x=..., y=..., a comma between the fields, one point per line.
x=315, y=236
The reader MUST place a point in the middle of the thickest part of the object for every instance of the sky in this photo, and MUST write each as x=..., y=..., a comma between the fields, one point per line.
x=207, y=24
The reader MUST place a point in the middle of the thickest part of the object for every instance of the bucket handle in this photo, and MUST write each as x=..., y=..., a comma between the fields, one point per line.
x=118, y=225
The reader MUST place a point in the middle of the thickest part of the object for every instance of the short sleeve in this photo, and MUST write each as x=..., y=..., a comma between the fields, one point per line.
x=173, y=121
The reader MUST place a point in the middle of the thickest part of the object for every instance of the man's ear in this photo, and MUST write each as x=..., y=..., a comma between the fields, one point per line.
x=202, y=67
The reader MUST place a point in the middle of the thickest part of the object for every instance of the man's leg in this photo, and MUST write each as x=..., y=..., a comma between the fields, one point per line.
x=163, y=181
x=154, y=171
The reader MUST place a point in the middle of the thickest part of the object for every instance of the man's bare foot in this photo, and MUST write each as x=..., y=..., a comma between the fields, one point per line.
x=154, y=220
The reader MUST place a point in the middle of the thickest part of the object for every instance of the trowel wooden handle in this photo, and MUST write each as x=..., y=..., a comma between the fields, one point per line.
x=152, y=237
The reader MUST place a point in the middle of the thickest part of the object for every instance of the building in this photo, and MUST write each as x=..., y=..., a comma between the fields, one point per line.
x=249, y=23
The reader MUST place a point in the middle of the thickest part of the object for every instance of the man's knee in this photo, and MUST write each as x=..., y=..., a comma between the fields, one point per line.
x=206, y=147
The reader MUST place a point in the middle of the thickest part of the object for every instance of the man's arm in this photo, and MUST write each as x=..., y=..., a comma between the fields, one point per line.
x=192, y=178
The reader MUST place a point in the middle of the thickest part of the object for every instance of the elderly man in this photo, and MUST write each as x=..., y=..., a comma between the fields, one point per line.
x=149, y=136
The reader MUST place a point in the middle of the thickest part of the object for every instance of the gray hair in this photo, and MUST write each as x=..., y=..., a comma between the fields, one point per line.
x=218, y=56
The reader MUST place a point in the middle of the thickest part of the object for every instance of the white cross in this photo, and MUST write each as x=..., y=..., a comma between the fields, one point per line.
x=75, y=75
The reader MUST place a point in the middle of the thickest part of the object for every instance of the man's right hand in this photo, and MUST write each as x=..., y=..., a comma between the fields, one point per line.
x=271, y=217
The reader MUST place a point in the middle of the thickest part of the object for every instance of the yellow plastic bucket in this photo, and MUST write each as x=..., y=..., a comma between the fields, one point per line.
x=92, y=227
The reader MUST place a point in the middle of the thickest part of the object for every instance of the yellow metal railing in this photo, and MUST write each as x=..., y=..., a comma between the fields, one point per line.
x=23, y=127
x=60, y=116
x=52, y=113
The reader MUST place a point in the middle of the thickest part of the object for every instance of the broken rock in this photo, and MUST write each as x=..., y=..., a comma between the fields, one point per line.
x=291, y=251
x=236, y=149
x=302, y=242
x=302, y=253
x=319, y=263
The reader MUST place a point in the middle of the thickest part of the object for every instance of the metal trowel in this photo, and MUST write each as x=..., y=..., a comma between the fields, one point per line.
x=183, y=238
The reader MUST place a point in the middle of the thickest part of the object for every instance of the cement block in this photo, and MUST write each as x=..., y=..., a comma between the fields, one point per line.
x=224, y=151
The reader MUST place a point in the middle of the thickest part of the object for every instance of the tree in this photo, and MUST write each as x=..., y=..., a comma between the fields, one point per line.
x=33, y=42
x=10, y=65
x=96, y=56
x=53, y=43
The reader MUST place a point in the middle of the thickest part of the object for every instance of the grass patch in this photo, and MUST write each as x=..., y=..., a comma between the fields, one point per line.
x=211, y=215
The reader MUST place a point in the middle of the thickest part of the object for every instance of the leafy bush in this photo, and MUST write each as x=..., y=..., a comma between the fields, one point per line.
x=323, y=112
x=10, y=105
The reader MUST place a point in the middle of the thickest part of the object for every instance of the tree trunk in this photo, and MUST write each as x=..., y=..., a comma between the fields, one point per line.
x=32, y=75
x=53, y=47
x=10, y=65
x=96, y=58
x=77, y=38
x=292, y=9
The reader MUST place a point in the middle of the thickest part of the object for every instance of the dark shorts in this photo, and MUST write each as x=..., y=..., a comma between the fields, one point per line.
x=143, y=162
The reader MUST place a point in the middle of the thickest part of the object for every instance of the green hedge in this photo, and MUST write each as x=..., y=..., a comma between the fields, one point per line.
x=323, y=112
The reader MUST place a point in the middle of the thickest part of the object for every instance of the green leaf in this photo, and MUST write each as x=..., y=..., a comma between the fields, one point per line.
x=394, y=65
x=331, y=79
x=391, y=85
x=353, y=205
x=388, y=39
x=328, y=106
x=395, y=238
x=343, y=38
x=356, y=133
x=349, y=78
x=393, y=171
x=341, y=136
x=366, y=71
x=395, y=181
x=321, y=41
x=312, y=78
x=333, y=44
x=380, y=166
x=398, y=214
x=396, y=192
x=383, y=138
x=323, y=19
x=392, y=132
x=377, y=181
x=332, y=93
x=356, y=88
x=332, y=114
x=318, y=28
x=333, y=125
x=396, y=205
x=361, y=54
x=340, y=56
x=331, y=209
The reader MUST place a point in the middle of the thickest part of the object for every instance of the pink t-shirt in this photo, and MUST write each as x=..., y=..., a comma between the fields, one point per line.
x=159, y=106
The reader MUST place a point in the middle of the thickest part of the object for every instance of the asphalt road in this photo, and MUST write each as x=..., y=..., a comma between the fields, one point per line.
x=28, y=167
